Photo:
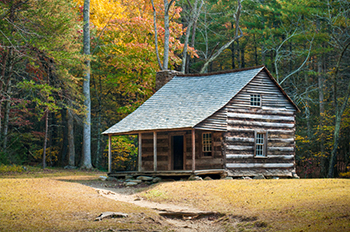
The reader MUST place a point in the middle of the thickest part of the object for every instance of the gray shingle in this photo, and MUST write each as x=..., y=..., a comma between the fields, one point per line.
x=184, y=102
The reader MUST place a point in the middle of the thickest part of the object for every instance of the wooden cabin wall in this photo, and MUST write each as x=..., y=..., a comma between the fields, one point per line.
x=162, y=151
x=217, y=121
x=212, y=162
x=276, y=116
x=164, y=154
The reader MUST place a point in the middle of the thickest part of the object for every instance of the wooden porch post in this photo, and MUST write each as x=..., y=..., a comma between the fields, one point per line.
x=193, y=150
x=140, y=153
x=109, y=153
x=155, y=151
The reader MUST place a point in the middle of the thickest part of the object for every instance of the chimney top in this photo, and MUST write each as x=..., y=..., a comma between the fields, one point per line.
x=164, y=76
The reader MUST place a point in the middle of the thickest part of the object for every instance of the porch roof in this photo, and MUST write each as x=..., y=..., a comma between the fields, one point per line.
x=185, y=101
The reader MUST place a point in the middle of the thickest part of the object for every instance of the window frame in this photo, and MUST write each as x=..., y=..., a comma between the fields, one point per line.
x=204, y=153
x=254, y=101
x=264, y=144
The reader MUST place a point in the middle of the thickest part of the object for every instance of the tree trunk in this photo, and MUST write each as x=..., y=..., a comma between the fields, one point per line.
x=237, y=36
x=193, y=19
x=238, y=56
x=45, y=138
x=232, y=48
x=156, y=34
x=338, y=115
x=255, y=51
x=71, y=147
x=321, y=115
x=166, y=35
x=242, y=58
x=64, y=148
x=2, y=79
x=86, y=156
x=7, y=115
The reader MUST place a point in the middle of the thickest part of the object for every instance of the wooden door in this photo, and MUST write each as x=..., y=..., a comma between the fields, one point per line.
x=178, y=152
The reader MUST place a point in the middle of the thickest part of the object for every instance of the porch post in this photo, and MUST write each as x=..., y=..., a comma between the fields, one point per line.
x=140, y=153
x=193, y=150
x=109, y=153
x=155, y=151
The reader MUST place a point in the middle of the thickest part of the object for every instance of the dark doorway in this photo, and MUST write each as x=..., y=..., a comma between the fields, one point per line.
x=178, y=152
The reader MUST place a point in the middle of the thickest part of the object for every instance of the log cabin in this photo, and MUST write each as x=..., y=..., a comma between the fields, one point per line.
x=237, y=123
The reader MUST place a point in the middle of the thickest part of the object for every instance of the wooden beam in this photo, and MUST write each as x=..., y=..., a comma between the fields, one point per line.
x=261, y=116
x=193, y=150
x=263, y=124
x=140, y=153
x=109, y=153
x=260, y=165
x=184, y=152
x=155, y=151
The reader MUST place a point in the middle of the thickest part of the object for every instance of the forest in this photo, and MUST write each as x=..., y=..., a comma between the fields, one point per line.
x=50, y=48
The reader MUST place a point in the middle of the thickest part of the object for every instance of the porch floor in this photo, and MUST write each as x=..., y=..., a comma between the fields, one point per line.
x=170, y=173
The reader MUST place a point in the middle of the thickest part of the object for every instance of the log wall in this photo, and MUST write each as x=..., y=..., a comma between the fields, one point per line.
x=276, y=116
x=164, y=153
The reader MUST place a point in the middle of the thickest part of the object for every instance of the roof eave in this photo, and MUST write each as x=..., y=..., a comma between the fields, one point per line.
x=135, y=132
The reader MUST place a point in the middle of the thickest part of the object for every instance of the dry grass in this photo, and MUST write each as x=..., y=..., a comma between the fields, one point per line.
x=58, y=204
x=284, y=205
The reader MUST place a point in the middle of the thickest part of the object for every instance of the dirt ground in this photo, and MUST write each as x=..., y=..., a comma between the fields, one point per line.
x=176, y=217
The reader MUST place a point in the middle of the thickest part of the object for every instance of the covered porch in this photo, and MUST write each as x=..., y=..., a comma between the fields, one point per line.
x=176, y=153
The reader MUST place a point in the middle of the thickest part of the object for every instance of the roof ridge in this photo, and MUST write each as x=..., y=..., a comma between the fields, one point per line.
x=219, y=72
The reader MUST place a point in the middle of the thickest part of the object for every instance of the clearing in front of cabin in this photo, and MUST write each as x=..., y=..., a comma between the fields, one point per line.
x=63, y=201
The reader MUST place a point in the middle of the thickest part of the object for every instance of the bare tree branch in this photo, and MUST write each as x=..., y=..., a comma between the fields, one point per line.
x=156, y=35
x=235, y=38
x=302, y=65
x=194, y=17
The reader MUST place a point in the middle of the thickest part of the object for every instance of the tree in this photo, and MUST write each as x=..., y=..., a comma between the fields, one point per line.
x=86, y=161
x=39, y=48
x=166, y=9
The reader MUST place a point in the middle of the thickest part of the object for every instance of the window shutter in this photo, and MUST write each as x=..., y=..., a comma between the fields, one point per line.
x=255, y=135
x=265, y=144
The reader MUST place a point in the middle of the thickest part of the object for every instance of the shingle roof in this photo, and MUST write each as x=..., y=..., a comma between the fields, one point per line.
x=185, y=101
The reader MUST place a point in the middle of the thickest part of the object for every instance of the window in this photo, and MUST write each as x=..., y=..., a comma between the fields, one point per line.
x=260, y=144
x=206, y=144
x=255, y=100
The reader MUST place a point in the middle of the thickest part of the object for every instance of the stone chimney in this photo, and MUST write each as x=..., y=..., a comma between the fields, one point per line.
x=164, y=76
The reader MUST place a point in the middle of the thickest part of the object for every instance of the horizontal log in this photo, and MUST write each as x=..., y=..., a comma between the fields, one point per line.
x=263, y=124
x=260, y=165
x=205, y=161
x=264, y=112
x=259, y=116
x=240, y=148
x=265, y=172
x=238, y=156
x=280, y=148
x=265, y=91
x=159, y=145
x=284, y=157
x=282, y=131
x=146, y=154
x=239, y=139
x=288, y=140
x=288, y=107
x=212, y=128
x=159, y=163
x=159, y=136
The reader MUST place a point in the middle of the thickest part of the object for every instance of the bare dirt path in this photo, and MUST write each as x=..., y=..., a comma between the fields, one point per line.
x=176, y=217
